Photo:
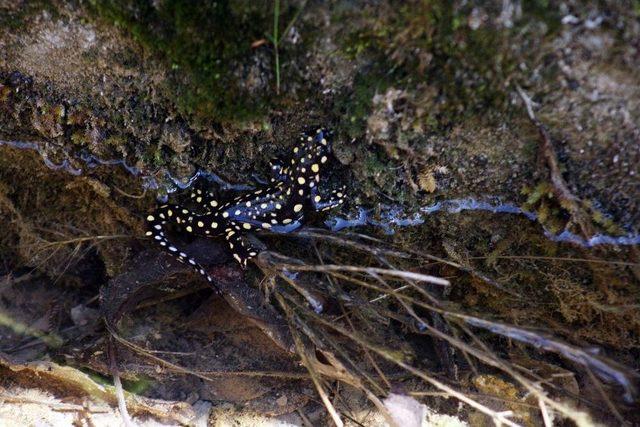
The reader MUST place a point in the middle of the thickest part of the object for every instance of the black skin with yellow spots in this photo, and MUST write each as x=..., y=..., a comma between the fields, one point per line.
x=278, y=206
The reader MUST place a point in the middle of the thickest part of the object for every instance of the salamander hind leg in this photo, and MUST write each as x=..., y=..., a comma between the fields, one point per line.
x=241, y=248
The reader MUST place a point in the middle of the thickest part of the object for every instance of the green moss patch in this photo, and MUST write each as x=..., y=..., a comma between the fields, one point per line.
x=204, y=44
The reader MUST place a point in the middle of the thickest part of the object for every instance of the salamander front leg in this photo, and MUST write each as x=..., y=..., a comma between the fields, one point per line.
x=205, y=199
x=277, y=170
x=324, y=203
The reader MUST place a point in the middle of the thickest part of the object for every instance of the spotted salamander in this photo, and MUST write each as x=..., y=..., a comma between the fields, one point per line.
x=279, y=206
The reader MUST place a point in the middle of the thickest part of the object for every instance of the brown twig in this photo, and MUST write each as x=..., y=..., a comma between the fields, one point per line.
x=561, y=190
x=132, y=196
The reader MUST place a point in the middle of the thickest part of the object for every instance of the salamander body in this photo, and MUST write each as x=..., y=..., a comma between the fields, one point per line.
x=279, y=206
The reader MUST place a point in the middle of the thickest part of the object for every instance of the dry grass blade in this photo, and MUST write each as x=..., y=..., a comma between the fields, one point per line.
x=304, y=357
x=381, y=249
x=500, y=417
x=491, y=359
x=122, y=404
x=43, y=251
x=557, y=258
x=342, y=240
x=328, y=268
x=205, y=375
x=605, y=368
x=358, y=340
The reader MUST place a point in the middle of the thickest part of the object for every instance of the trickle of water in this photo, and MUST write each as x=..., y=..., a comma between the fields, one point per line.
x=22, y=145
x=165, y=184
x=93, y=161
x=389, y=218
x=394, y=216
